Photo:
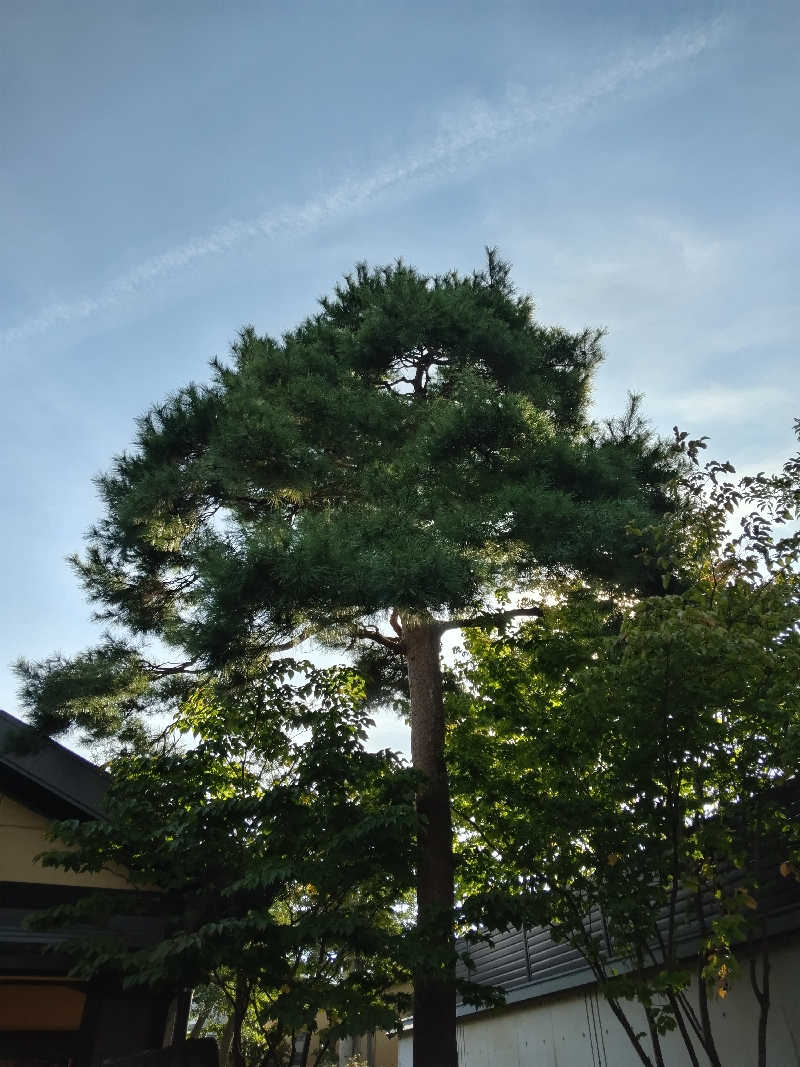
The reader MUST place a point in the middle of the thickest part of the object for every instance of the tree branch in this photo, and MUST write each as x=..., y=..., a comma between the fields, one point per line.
x=163, y=670
x=493, y=618
x=367, y=633
x=293, y=642
x=478, y=829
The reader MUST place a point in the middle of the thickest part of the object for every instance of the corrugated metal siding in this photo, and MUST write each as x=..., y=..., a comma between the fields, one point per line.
x=551, y=959
x=516, y=958
x=503, y=962
x=530, y=959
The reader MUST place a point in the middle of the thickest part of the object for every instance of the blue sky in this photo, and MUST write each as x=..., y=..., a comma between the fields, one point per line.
x=171, y=172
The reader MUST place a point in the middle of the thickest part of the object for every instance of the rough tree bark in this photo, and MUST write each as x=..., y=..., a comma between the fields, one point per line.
x=434, y=981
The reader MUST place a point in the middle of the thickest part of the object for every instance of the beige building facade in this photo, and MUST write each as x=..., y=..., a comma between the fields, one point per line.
x=47, y=1018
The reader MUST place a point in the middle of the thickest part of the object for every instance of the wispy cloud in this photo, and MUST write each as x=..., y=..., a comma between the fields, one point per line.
x=468, y=139
x=726, y=403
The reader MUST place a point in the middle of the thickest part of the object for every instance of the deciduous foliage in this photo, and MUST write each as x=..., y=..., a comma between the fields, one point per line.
x=275, y=868
x=379, y=474
x=627, y=759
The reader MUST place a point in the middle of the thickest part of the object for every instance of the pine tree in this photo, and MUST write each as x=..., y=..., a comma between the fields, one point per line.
x=407, y=461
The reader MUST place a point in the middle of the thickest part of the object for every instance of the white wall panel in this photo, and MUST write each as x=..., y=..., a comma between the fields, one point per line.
x=578, y=1030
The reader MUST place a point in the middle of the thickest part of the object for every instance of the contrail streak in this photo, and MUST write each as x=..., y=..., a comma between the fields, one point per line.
x=482, y=134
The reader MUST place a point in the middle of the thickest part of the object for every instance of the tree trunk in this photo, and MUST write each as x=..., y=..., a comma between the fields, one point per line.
x=226, y=1042
x=655, y=1039
x=633, y=1037
x=304, y=1051
x=240, y=1002
x=708, y=1042
x=762, y=994
x=680, y=1022
x=434, y=980
x=200, y=1022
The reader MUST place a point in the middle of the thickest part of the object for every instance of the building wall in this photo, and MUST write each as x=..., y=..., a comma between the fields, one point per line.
x=385, y=1050
x=27, y=1005
x=577, y=1029
x=23, y=835
x=47, y=1017
x=376, y=1050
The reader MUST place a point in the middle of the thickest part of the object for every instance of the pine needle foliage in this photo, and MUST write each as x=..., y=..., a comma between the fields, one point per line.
x=395, y=466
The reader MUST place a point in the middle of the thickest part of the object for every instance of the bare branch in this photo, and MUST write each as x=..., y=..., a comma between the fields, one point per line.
x=293, y=642
x=165, y=669
x=367, y=633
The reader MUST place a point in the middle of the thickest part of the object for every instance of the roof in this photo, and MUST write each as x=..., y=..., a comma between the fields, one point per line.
x=58, y=783
x=529, y=963
x=48, y=776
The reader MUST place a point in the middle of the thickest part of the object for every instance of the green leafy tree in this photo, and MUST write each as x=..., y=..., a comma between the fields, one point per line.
x=629, y=759
x=387, y=471
x=274, y=858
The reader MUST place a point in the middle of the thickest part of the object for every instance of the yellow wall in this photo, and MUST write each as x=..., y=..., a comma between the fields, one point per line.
x=385, y=1050
x=376, y=1050
x=23, y=836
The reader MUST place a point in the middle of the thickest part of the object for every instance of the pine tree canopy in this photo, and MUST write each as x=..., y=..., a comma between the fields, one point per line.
x=416, y=445
x=401, y=463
